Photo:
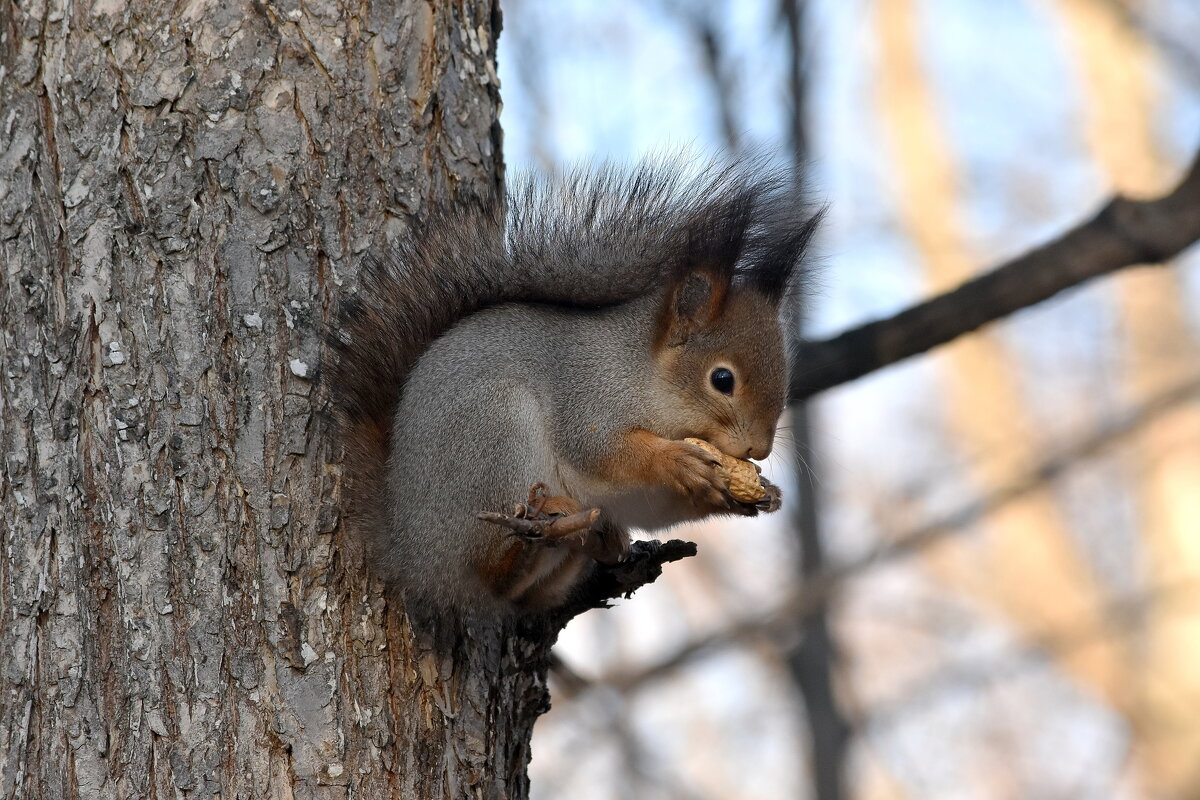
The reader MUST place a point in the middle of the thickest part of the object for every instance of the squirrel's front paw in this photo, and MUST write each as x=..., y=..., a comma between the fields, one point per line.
x=696, y=474
x=772, y=498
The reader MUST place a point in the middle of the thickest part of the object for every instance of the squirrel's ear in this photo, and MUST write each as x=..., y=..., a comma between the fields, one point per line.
x=693, y=302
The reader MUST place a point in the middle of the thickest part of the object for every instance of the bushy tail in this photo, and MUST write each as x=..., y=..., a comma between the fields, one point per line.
x=591, y=237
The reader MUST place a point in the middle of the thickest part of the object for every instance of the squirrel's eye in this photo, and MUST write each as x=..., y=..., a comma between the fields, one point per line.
x=722, y=380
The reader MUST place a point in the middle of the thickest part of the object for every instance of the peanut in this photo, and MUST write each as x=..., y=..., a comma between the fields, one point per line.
x=740, y=476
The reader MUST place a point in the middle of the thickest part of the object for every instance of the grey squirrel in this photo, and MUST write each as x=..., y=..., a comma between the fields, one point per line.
x=552, y=349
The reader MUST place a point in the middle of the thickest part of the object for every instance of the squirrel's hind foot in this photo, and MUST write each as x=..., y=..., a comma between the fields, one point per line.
x=542, y=527
x=561, y=520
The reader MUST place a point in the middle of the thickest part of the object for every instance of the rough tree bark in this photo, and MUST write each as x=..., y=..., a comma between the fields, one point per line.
x=185, y=190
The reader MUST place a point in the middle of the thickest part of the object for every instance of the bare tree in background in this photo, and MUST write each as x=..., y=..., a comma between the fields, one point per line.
x=812, y=661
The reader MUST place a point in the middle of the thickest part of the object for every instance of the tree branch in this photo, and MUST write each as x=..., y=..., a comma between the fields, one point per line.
x=643, y=565
x=1124, y=233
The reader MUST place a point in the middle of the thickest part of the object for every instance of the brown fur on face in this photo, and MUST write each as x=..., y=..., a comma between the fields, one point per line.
x=742, y=334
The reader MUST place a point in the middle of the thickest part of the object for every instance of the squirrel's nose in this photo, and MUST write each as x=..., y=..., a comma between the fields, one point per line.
x=760, y=449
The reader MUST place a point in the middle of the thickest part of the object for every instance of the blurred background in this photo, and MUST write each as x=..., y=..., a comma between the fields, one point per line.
x=985, y=582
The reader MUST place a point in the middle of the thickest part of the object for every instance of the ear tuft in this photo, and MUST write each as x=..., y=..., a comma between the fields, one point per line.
x=773, y=264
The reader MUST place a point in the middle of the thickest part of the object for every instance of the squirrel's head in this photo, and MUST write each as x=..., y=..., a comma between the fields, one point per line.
x=720, y=350
x=729, y=255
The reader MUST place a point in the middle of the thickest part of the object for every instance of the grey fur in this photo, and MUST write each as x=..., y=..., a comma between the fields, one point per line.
x=509, y=348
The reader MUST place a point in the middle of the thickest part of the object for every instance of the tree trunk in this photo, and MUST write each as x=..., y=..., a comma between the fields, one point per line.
x=184, y=193
x=812, y=662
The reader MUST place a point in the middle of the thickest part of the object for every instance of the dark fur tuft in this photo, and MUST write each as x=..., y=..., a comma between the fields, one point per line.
x=775, y=255
x=591, y=237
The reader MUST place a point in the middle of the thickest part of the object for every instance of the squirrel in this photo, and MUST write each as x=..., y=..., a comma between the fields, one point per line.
x=553, y=348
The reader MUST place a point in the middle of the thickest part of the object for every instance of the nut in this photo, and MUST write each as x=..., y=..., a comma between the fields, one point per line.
x=741, y=476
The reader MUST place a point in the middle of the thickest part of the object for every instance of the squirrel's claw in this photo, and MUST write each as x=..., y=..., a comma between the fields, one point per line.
x=773, y=499
x=550, y=528
x=561, y=521
x=520, y=526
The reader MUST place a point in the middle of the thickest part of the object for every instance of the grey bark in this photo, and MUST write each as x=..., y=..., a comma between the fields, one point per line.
x=185, y=190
